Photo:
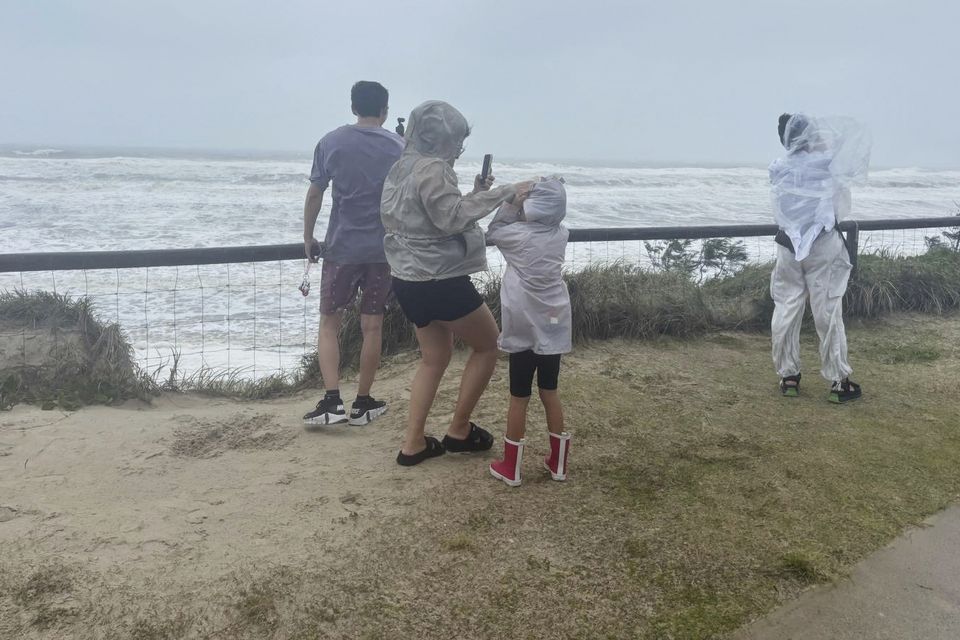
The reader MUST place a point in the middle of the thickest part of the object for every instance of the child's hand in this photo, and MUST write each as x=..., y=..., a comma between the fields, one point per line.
x=523, y=192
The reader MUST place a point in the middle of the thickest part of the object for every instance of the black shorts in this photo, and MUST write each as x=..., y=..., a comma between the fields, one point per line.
x=446, y=300
x=522, y=367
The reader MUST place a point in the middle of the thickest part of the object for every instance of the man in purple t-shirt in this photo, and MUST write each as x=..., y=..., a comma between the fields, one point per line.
x=356, y=159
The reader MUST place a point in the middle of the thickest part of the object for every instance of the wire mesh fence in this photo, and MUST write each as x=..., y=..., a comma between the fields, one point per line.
x=250, y=318
x=247, y=317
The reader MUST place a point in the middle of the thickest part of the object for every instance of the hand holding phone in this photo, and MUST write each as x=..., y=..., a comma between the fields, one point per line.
x=487, y=165
x=484, y=180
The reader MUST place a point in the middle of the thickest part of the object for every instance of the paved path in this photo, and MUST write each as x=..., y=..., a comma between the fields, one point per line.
x=907, y=591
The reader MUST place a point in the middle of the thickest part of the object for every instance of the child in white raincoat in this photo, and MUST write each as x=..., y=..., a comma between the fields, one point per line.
x=535, y=319
x=810, y=186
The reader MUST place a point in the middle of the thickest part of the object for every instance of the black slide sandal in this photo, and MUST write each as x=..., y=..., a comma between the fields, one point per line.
x=433, y=449
x=478, y=439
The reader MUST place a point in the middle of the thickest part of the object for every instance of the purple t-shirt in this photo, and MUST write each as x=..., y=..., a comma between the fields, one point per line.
x=357, y=160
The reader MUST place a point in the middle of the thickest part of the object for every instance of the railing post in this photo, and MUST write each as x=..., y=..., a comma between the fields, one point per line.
x=853, y=245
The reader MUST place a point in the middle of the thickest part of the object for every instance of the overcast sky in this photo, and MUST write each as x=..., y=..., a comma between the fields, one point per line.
x=664, y=81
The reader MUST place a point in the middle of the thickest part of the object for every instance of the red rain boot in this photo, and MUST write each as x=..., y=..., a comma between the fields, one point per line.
x=556, y=462
x=508, y=469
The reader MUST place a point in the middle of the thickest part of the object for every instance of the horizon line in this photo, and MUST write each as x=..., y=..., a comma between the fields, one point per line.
x=26, y=150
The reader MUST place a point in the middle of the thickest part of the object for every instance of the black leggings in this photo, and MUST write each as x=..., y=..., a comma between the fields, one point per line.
x=522, y=367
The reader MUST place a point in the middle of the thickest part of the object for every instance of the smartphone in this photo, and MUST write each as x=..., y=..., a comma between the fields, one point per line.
x=487, y=161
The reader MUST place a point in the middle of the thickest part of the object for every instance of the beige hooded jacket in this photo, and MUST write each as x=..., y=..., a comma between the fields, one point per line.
x=431, y=228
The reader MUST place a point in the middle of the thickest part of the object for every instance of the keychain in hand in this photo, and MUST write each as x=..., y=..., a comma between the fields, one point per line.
x=305, y=285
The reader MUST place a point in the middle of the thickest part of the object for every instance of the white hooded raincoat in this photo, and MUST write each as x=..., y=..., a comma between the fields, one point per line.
x=534, y=302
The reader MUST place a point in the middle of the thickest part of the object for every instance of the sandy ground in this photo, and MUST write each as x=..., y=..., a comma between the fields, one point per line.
x=190, y=479
x=188, y=488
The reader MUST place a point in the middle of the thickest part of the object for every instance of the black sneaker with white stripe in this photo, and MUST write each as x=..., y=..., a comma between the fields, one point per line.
x=328, y=411
x=365, y=410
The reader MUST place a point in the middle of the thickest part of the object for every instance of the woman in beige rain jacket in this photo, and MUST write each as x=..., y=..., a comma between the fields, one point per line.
x=433, y=244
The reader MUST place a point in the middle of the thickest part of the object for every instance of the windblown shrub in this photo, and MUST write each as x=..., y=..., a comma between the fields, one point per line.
x=58, y=354
x=927, y=283
x=621, y=300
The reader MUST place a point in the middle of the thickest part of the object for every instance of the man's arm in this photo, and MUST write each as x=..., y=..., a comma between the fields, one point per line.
x=311, y=209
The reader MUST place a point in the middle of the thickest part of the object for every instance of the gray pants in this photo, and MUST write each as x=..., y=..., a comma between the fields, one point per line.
x=822, y=276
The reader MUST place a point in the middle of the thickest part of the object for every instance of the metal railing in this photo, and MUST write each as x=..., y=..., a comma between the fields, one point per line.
x=88, y=260
x=238, y=308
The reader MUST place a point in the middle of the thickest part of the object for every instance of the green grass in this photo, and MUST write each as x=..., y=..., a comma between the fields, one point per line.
x=698, y=499
x=460, y=543
x=256, y=606
x=159, y=629
x=803, y=567
x=43, y=582
x=42, y=593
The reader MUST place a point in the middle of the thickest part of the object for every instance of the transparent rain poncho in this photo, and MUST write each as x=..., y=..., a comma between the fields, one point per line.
x=811, y=183
x=534, y=301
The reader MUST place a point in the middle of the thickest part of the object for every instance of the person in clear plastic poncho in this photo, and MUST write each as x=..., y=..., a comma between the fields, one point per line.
x=811, y=192
x=433, y=244
x=536, y=320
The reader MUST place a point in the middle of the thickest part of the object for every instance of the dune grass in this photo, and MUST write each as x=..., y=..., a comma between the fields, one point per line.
x=609, y=301
x=620, y=300
x=928, y=283
x=89, y=362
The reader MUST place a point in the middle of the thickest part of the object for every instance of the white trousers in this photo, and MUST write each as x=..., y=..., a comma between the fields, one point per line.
x=822, y=276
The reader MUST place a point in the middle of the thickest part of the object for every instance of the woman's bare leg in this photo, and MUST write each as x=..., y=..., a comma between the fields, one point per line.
x=479, y=331
x=436, y=347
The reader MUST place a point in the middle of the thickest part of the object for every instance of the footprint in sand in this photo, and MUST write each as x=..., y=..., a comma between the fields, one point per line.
x=313, y=504
x=196, y=517
x=8, y=513
x=287, y=478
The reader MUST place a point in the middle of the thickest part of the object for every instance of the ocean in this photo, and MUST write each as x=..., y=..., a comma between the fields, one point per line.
x=252, y=318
